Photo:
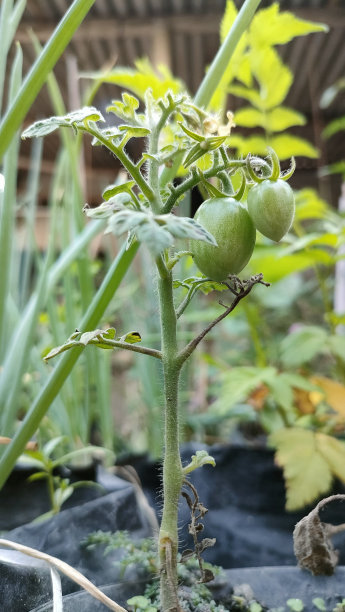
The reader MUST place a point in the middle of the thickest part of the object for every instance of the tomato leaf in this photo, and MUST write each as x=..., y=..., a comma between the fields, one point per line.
x=302, y=345
x=307, y=472
x=76, y=119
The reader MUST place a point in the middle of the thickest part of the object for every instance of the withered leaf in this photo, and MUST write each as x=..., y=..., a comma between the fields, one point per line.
x=312, y=544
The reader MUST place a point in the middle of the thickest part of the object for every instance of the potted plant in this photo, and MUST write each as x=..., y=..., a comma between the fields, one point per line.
x=220, y=239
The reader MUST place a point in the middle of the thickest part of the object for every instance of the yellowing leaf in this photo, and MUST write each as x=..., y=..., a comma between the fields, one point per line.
x=334, y=393
x=271, y=27
x=287, y=146
x=306, y=470
x=309, y=205
x=333, y=451
x=276, y=120
x=283, y=118
x=249, y=117
x=273, y=76
x=257, y=145
x=141, y=78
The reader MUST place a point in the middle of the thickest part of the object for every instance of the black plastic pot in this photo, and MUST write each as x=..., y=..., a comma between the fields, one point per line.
x=25, y=583
x=84, y=602
x=245, y=496
x=270, y=586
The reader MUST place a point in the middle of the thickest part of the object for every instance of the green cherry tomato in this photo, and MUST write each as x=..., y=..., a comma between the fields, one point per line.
x=271, y=205
x=230, y=224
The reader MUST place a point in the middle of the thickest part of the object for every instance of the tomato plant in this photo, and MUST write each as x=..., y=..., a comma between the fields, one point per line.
x=230, y=224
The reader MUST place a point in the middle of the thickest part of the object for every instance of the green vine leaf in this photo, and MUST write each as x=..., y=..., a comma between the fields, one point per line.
x=198, y=460
x=95, y=337
x=113, y=190
x=199, y=283
x=111, y=134
x=141, y=78
x=310, y=461
x=157, y=231
x=76, y=119
x=126, y=110
x=131, y=337
x=134, y=132
x=107, y=209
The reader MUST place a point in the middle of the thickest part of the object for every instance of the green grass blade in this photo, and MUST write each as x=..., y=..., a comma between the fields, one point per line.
x=61, y=372
x=5, y=17
x=13, y=367
x=41, y=68
x=7, y=220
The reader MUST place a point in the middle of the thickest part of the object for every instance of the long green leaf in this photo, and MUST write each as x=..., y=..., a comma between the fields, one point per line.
x=54, y=383
x=7, y=219
x=20, y=339
x=41, y=68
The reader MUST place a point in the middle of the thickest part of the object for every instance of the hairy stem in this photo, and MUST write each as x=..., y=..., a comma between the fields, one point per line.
x=172, y=467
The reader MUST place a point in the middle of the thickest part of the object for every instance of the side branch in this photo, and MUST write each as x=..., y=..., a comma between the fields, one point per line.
x=136, y=348
x=240, y=289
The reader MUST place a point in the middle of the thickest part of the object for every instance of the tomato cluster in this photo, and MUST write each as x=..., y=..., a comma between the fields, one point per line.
x=271, y=209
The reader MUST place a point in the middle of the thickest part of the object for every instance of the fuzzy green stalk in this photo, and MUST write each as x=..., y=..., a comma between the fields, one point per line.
x=172, y=467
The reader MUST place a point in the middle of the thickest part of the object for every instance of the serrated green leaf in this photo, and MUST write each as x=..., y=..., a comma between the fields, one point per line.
x=309, y=205
x=281, y=391
x=312, y=239
x=113, y=190
x=141, y=78
x=286, y=146
x=158, y=231
x=272, y=27
x=333, y=451
x=249, y=117
x=337, y=346
x=91, y=337
x=256, y=145
x=273, y=76
x=306, y=471
x=238, y=383
x=134, y=132
x=275, y=120
x=282, y=118
x=131, y=337
x=107, y=209
x=86, y=337
x=74, y=119
x=303, y=345
x=248, y=93
x=186, y=227
x=275, y=266
x=198, y=460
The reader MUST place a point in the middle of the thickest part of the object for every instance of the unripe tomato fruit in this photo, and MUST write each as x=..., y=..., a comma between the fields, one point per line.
x=271, y=205
x=230, y=224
